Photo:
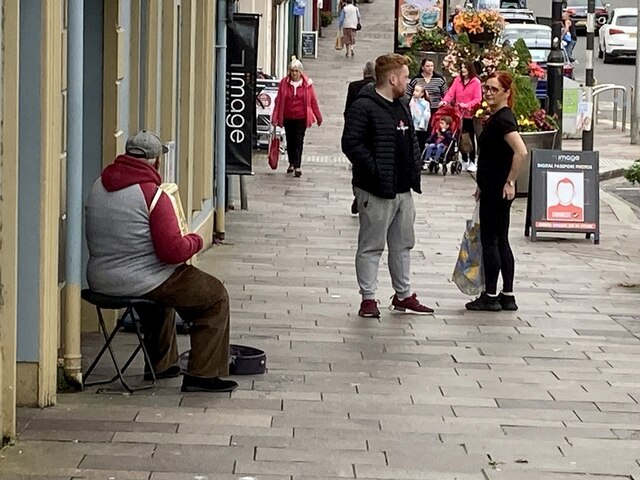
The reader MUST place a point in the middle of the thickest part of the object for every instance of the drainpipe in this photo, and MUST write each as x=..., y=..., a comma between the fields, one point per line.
x=73, y=253
x=220, y=135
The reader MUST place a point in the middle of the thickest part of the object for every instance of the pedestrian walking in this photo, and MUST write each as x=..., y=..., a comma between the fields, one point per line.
x=433, y=82
x=348, y=21
x=502, y=155
x=465, y=92
x=380, y=142
x=296, y=109
x=368, y=76
x=569, y=35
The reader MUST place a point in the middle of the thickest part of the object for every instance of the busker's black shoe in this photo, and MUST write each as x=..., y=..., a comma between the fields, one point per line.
x=290, y=169
x=200, y=384
x=508, y=302
x=172, y=372
x=485, y=303
x=354, y=207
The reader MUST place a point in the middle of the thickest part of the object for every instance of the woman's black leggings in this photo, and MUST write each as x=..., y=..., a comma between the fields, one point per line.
x=494, y=236
x=294, y=131
x=467, y=127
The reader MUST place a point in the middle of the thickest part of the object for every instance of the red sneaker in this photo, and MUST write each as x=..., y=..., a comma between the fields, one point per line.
x=369, y=309
x=409, y=305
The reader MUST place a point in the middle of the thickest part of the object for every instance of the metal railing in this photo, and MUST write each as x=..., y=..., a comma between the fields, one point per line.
x=595, y=95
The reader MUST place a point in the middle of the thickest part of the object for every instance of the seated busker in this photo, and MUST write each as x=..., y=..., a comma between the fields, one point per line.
x=136, y=249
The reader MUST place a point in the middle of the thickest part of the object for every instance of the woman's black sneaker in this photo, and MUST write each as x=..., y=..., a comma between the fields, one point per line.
x=199, y=384
x=485, y=303
x=508, y=302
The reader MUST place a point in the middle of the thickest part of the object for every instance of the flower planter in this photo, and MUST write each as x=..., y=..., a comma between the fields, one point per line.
x=534, y=82
x=545, y=140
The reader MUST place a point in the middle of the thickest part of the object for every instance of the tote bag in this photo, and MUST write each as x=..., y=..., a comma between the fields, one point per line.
x=339, y=44
x=274, y=151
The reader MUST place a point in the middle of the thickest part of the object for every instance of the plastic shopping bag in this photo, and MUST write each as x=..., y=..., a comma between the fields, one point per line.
x=339, y=43
x=468, y=273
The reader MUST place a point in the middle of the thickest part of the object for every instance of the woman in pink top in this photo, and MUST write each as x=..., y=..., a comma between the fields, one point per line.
x=465, y=92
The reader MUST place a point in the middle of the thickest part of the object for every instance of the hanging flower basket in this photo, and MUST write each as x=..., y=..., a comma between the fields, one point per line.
x=483, y=38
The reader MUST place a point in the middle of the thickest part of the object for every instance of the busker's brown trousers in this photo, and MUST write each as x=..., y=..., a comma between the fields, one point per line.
x=203, y=302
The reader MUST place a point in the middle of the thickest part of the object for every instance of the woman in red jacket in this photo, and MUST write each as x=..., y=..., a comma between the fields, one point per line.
x=296, y=109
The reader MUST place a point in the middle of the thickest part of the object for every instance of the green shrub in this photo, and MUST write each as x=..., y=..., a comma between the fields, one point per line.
x=325, y=18
x=524, y=56
x=525, y=102
x=633, y=173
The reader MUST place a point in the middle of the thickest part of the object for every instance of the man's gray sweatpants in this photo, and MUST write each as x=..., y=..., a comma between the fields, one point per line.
x=384, y=221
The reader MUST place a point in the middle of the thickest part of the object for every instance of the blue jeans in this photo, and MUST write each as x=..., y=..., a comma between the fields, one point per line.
x=569, y=48
x=437, y=148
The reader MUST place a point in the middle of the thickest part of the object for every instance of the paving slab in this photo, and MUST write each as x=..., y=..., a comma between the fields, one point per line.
x=550, y=392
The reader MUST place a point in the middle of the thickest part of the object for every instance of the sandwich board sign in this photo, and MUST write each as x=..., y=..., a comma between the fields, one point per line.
x=564, y=193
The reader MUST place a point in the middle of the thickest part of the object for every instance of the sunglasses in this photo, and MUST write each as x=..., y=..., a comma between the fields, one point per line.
x=490, y=89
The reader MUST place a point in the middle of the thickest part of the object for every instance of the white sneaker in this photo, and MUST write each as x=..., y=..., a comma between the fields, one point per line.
x=465, y=166
x=472, y=167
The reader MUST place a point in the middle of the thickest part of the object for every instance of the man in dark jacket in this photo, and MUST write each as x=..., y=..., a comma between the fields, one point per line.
x=368, y=76
x=380, y=142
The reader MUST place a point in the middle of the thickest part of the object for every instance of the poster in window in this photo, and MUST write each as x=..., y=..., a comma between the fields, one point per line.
x=414, y=16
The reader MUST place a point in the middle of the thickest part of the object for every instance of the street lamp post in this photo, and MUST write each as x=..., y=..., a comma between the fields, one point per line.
x=555, y=65
x=635, y=113
x=587, y=135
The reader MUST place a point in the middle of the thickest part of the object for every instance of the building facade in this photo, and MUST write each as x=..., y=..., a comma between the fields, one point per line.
x=137, y=64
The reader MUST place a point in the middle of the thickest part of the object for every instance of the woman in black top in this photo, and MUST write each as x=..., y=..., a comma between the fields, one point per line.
x=502, y=154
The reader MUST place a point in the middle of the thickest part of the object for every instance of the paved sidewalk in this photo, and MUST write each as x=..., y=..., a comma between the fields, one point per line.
x=550, y=392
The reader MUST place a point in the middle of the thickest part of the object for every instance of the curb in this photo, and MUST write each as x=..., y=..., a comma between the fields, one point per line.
x=618, y=172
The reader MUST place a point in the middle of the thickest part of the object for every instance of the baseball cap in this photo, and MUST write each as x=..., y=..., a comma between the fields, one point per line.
x=145, y=144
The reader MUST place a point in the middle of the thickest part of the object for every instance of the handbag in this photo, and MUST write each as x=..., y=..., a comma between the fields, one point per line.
x=468, y=274
x=274, y=151
x=359, y=26
x=339, y=44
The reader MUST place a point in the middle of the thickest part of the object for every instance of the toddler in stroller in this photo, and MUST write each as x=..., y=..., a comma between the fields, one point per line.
x=441, y=146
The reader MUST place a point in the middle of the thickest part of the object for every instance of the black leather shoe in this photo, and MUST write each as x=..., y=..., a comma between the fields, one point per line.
x=172, y=372
x=199, y=384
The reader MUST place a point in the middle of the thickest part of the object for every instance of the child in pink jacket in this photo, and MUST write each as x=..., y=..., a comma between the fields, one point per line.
x=465, y=92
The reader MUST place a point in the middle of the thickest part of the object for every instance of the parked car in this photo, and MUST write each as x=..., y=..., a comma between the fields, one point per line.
x=538, y=41
x=518, y=15
x=578, y=11
x=619, y=36
x=495, y=4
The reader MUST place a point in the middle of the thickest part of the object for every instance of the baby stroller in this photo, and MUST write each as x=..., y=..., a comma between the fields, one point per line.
x=448, y=160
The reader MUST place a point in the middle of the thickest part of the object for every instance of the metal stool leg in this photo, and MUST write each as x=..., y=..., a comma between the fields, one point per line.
x=107, y=346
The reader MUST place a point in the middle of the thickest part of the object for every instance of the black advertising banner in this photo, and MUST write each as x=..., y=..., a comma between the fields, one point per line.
x=564, y=193
x=242, y=59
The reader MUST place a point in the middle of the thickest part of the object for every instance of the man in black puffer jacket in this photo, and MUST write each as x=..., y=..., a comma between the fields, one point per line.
x=379, y=140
